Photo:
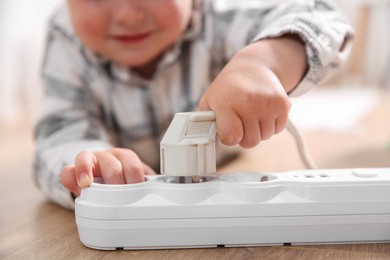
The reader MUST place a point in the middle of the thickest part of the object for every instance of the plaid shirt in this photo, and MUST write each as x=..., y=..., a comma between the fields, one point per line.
x=91, y=103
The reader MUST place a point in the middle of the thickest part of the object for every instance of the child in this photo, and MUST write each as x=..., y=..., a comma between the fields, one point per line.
x=116, y=72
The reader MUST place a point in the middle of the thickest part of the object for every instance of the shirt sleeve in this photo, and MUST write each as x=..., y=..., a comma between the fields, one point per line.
x=319, y=23
x=69, y=119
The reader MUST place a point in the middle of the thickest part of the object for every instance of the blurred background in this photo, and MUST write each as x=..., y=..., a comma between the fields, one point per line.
x=356, y=90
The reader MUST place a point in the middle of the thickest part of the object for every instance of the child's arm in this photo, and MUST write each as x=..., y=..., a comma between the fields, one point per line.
x=274, y=50
x=249, y=96
x=72, y=119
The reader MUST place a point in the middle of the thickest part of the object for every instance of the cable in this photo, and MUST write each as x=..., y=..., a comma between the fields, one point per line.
x=301, y=145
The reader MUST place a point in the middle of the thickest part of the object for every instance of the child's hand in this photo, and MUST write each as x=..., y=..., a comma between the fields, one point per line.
x=249, y=96
x=114, y=166
x=249, y=102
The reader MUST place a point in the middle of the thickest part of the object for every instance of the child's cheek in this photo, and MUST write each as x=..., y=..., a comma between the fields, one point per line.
x=92, y=32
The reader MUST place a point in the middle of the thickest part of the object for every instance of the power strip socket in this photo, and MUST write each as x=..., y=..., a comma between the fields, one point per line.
x=238, y=209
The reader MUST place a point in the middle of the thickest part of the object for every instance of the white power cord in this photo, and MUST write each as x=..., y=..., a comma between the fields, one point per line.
x=301, y=145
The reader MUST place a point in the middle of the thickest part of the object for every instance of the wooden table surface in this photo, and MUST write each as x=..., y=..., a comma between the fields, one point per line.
x=33, y=228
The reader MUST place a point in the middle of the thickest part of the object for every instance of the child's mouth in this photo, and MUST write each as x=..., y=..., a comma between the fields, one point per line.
x=131, y=39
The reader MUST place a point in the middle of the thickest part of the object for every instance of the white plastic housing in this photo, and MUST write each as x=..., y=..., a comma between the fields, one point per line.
x=238, y=209
x=188, y=146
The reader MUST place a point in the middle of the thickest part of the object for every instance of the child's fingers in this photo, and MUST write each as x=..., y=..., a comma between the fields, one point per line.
x=85, y=165
x=229, y=126
x=267, y=128
x=133, y=168
x=252, y=132
x=110, y=167
x=68, y=179
x=280, y=124
x=148, y=170
x=203, y=104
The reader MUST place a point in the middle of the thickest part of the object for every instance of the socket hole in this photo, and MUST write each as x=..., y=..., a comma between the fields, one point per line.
x=184, y=179
x=247, y=177
x=264, y=178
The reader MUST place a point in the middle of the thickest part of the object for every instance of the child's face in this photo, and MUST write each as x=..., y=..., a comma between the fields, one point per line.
x=131, y=32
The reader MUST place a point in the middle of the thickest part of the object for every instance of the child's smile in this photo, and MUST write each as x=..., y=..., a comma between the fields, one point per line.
x=130, y=32
x=130, y=39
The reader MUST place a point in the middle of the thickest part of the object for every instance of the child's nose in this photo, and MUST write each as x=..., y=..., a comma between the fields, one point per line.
x=128, y=13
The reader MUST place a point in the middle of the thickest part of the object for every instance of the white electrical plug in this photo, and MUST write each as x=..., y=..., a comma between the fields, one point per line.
x=188, y=146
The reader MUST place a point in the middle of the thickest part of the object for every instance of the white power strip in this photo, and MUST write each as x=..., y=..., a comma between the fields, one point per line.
x=238, y=209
